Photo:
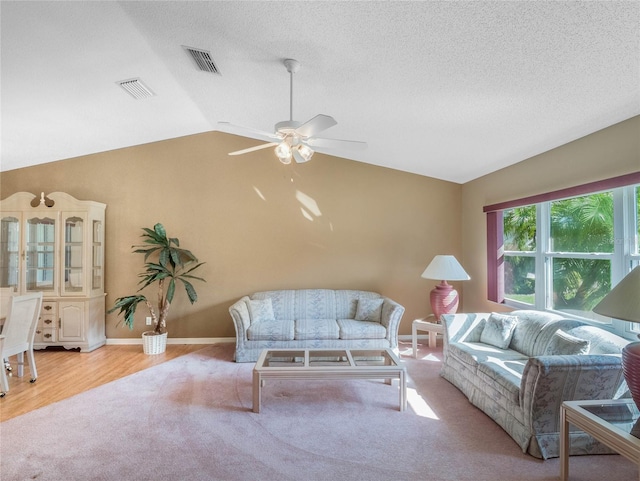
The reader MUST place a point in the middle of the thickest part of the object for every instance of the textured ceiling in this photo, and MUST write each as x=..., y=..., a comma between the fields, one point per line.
x=451, y=90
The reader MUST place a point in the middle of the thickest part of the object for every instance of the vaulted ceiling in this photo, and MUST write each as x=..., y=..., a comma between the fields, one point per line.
x=450, y=90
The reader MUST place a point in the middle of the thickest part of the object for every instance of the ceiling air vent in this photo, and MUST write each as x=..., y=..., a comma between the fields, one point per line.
x=136, y=88
x=202, y=59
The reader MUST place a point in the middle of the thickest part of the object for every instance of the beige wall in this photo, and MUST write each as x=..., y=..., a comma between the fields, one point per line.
x=258, y=225
x=608, y=153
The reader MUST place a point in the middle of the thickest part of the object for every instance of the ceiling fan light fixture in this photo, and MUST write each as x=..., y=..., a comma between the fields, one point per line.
x=302, y=153
x=291, y=138
x=283, y=151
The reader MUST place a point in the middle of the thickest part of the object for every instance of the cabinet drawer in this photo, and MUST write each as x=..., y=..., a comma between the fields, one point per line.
x=49, y=309
x=46, y=335
x=48, y=322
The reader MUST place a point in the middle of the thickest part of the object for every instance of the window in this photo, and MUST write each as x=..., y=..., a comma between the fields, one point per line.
x=520, y=227
x=565, y=252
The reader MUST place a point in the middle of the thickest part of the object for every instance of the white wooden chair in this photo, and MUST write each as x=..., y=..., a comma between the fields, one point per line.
x=18, y=334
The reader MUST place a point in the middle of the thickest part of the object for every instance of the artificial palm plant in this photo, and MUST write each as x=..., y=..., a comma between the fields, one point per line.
x=171, y=265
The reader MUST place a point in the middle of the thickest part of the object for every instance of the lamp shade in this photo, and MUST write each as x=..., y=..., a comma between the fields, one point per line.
x=623, y=301
x=445, y=267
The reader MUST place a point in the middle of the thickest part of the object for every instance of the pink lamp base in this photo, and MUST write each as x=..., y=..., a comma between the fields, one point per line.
x=631, y=369
x=444, y=300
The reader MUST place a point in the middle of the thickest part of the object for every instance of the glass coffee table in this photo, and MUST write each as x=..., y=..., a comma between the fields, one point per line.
x=328, y=364
x=615, y=423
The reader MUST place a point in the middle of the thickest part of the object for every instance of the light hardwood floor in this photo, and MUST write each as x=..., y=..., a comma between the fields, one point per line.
x=62, y=373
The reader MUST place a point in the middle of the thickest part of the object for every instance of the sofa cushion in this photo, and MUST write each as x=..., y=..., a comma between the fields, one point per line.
x=306, y=329
x=601, y=341
x=283, y=302
x=474, y=353
x=476, y=332
x=562, y=343
x=369, y=310
x=464, y=327
x=530, y=324
x=347, y=302
x=504, y=376
x=498, y=330
x=260, y=310
x=272, y=330
x=315, y=304
x=352, y=329
x=547, y=332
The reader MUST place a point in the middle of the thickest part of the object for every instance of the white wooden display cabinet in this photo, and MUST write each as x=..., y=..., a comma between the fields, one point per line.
x=55, y=244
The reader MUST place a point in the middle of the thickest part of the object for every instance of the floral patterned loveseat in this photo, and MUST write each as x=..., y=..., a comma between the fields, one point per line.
x=314, y=318
x=519, y=367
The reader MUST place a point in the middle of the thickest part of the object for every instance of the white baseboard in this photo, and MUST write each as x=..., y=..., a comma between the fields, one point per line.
x=173, y=340
x=407, y=337
x=215, y=340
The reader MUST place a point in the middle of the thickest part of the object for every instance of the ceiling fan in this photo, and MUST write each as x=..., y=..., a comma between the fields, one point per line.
x=292, y=139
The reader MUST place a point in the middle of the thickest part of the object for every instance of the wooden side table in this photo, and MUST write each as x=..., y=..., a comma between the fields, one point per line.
x=432, y=328
x=611, y=422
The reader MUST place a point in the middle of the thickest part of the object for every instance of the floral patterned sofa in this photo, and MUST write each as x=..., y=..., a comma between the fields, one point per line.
x=314, y=318
x=519, y=367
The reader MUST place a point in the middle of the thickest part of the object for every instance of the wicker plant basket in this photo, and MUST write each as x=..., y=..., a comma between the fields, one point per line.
x=153, y=343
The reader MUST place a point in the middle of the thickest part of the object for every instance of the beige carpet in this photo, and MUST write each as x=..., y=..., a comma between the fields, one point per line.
x=191, y=419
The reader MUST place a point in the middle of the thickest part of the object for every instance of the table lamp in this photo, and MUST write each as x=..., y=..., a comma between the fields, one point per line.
x=444, y=298
x=623, y=302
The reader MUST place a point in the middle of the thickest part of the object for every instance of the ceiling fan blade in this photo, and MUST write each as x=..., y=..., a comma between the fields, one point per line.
x=316, y=125
x=336, y=144
x=246, y=131
x=253, y=149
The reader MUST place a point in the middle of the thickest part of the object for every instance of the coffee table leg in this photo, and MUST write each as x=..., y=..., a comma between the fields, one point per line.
x=257, y=391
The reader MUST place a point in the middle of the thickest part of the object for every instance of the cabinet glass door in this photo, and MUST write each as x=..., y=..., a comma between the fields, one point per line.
x=41, y=257
x=97, y=256
x=10, y=252
x=73, y=255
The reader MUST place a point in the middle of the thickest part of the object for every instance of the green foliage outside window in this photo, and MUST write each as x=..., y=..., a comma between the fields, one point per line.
x=581, y=225
x=519, y=271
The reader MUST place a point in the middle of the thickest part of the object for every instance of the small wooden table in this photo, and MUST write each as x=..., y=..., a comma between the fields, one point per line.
x=432, y=328
x=328, y=364
x=613, y=422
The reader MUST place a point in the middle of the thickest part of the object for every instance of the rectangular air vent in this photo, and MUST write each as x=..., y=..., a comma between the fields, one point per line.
x=202, y=59
x=136, y=88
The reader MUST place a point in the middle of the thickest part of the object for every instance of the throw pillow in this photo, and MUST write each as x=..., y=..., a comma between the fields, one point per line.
x=498, y=330
x=261, y=310
x=369, y=310
x=562, y=343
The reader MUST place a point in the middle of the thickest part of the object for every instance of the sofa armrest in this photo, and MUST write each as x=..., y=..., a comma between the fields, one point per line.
x=391, y=315
x=547, y=381
x=241, y=320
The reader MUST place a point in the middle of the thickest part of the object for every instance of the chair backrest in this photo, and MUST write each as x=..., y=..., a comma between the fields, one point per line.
x=20, y=326
x=6, y=293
